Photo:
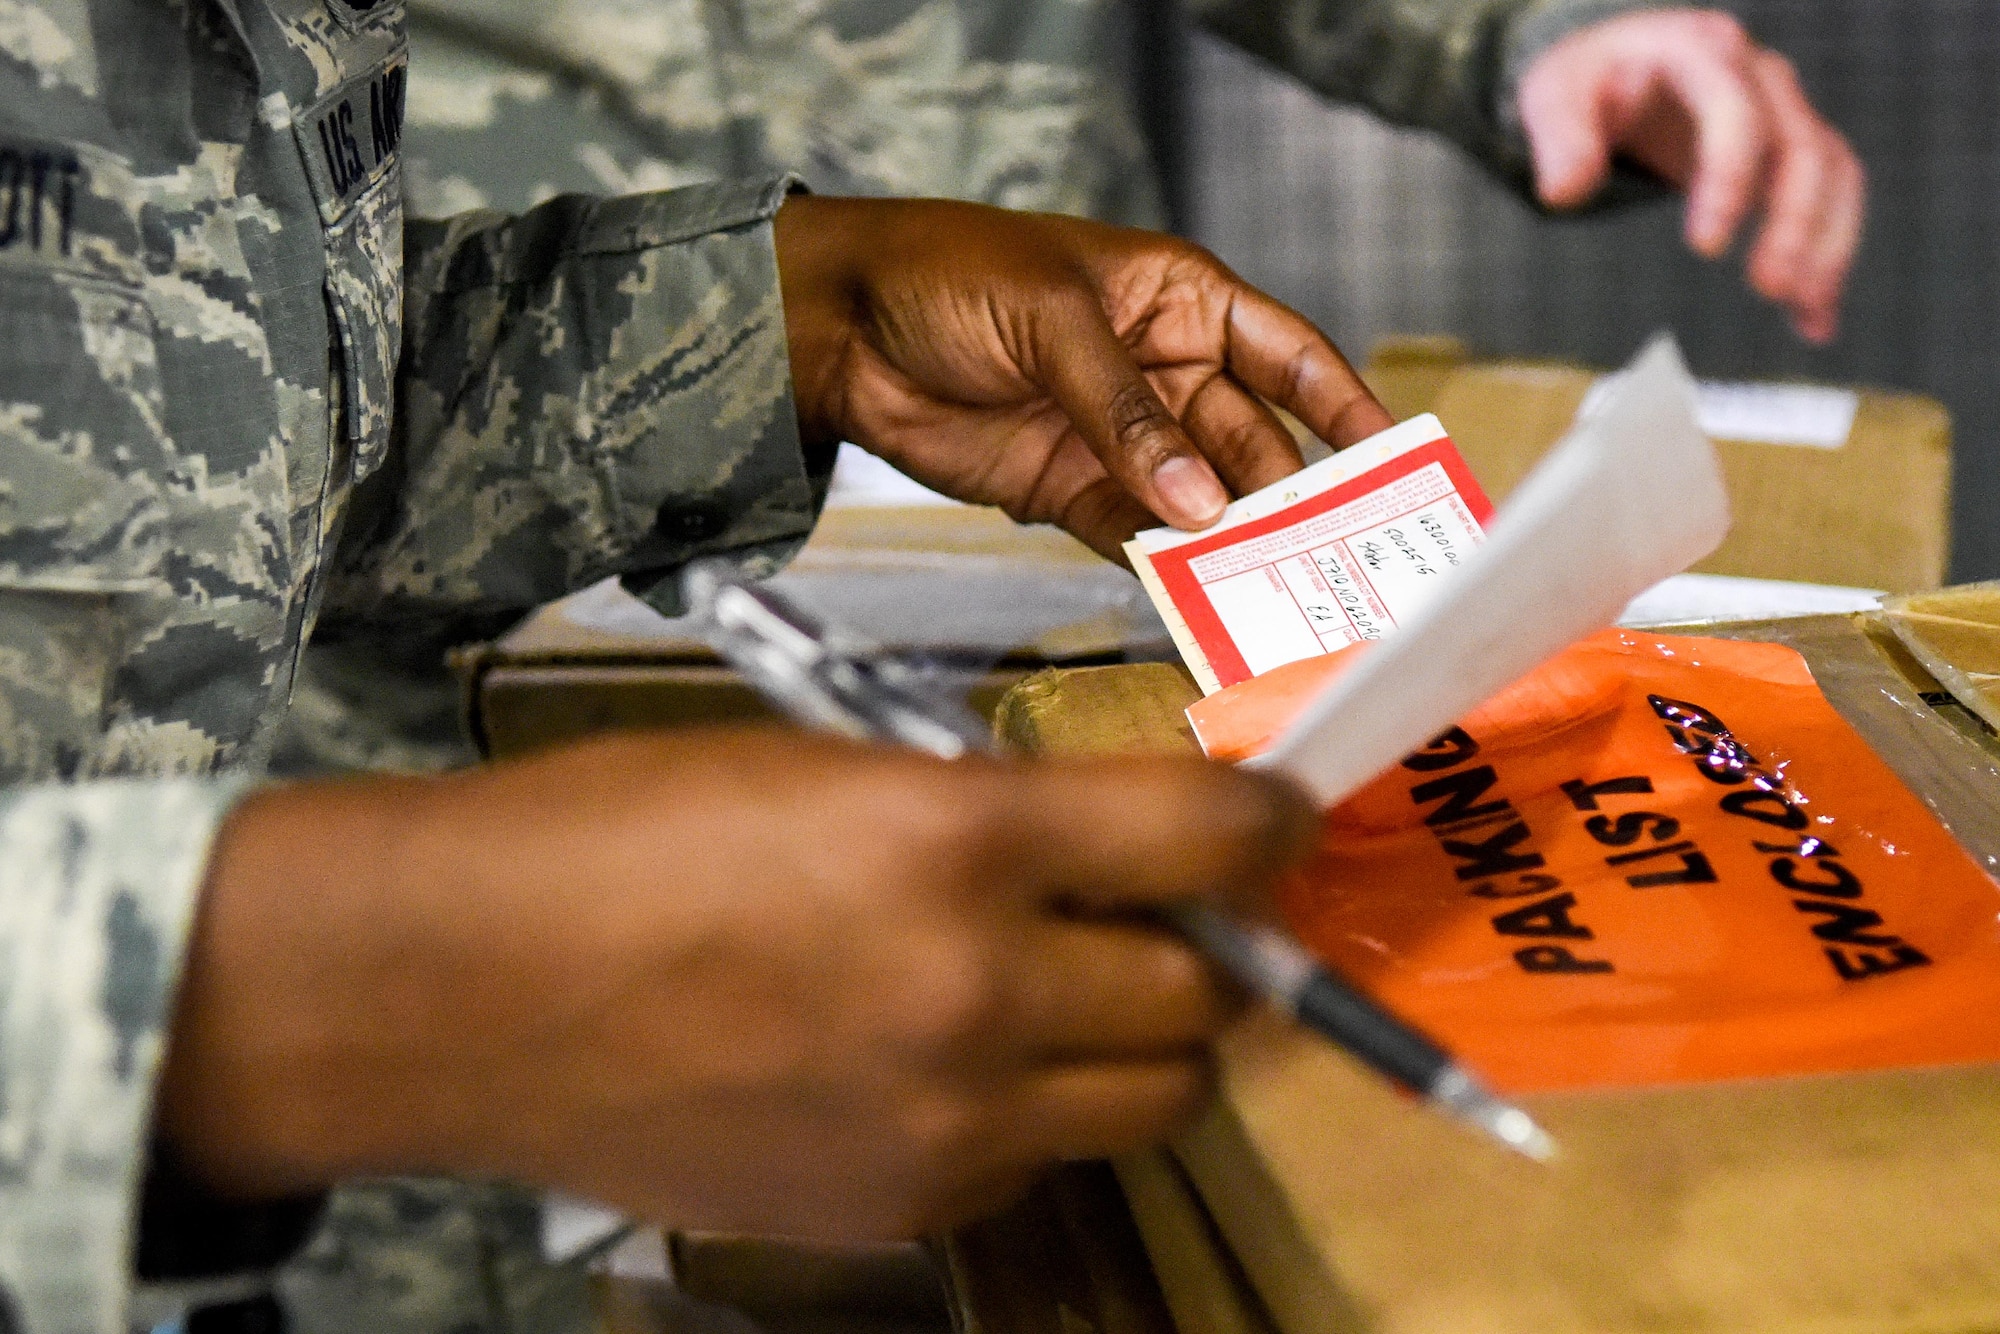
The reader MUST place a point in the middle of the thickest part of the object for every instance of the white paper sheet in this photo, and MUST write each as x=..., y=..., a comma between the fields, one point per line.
x=1702, y=599
x=1631, y=495
x=1811, y=416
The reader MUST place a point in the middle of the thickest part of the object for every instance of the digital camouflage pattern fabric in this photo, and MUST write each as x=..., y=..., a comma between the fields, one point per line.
x=95, y=893
x=1024, y=103
x=1027, y=104
x=239, y=399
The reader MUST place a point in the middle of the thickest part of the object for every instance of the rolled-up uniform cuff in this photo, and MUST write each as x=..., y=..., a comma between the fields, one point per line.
x=187, y=1233
x=98, y=885
x=751, y=491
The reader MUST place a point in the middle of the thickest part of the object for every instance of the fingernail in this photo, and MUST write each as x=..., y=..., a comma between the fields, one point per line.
x=1704, y=233
x=1714, y=238
x=1192, y=495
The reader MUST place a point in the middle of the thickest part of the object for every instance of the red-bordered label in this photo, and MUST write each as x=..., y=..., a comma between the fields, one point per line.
x=1179, y=568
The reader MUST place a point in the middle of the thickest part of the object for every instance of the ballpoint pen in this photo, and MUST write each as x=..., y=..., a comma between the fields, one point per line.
x=844, y=685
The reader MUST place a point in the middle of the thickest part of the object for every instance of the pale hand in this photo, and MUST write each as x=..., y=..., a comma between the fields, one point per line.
x=1688, y=94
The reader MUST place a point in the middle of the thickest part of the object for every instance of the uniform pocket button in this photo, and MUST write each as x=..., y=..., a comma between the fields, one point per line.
x=693, y=523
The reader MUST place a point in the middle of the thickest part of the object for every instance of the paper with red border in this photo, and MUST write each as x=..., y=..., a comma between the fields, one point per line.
x=1340, y=552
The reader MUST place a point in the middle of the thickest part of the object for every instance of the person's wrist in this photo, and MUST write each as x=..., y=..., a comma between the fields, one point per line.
x=253, y=1100
x=820, y=287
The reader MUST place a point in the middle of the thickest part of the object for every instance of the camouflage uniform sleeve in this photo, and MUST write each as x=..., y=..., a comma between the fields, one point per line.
x=97, y=887
x=1446, y=65
x=596, y=386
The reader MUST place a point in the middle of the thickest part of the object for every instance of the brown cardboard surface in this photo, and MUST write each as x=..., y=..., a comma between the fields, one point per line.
x=1407, y=372
x=764, y=1276
x=522, y=706
x=1138, y=708
x=1875, y=513
x=1855, y=1204
x=1205, y=1287
x=1864, y=1204
x=1955, y=633
x=559, y=676
x=1066, y=1259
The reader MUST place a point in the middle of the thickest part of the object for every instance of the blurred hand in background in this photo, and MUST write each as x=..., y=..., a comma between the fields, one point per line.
x=1691, y=96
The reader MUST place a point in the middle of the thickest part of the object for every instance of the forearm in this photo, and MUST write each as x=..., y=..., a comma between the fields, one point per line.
x=289, y=868
x=97, y=885
x=380, y=963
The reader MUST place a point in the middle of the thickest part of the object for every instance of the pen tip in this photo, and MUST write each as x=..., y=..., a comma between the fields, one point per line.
x=1517, y=1130
x=1502, y=1120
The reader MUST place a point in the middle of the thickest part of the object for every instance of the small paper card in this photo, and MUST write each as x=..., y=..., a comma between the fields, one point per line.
x=1631, y=495
x=1340, y=552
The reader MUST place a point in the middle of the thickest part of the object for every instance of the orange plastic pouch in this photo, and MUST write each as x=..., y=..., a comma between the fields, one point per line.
x=1655, y=860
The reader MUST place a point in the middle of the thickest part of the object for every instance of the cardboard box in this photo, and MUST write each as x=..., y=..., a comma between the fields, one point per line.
x=1200, y=1279
x=1312, y=1199
x=1065, y=1259
x=974, y=585
x=1955, y=634
x=963, y=584
x=1875, y=512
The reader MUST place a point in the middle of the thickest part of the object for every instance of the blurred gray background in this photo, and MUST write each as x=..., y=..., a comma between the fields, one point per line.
x=1372, y=231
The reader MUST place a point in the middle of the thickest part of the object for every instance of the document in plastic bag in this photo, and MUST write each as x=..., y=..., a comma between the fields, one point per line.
x=1654, y=860
x=1631, y=495
x=1586, y=857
